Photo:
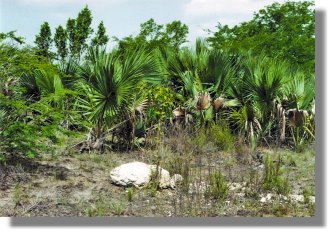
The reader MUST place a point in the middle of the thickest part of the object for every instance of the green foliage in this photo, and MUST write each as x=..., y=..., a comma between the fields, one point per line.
x=71, y=30
x=273, y=179
x=300, y=90
x=130, y=194
x=27, y=129
x=265, y=79
x=82, y=31
x=60, y=40
x=111, y=85
x=11, y=35
x=19, y=138
x=15, y=61
x=101, y=38
x=255, y=68
x=156, y=36
x=162, y=101
x=48, y=86
x=176, y=33
x=218, y=188
x=78, y=31
x=285, y=31
x=44, y=40
x=221, y=136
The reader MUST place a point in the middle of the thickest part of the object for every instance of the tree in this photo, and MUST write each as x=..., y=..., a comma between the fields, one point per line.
x=60, y=40
x=111, y=86
x=176, y=34
x=151, y=31
x=71, y=33
x=153, y=35
x=286, y=31
x=23, y=120
x=79, y=30
x=44, y=40
x=11, y=35
x=83, y=30
x=101, y=38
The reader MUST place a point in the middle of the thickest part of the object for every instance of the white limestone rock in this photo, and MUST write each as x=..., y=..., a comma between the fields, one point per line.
x=297, y=198
x=266, y=198
x=176, y=178
x=139, y=174
x=312, y=199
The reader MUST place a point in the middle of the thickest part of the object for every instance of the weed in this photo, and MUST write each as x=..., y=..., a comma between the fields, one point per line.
x=152, y=191
x=307, y=192
x=280, y=210
x=200, y=141
x=221, y=136
x=18, y=194
x=118, y=208
x=62, y=200
x=218, y=188
x=154, y=178
x=60, y=174
x=291, y=162
x=100, y=208
x=272, y=179
x=311, y=209
x=130, y=193
x=97, y=159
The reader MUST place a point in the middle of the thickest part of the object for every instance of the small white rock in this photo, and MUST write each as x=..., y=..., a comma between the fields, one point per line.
x=312, y=199
x=177, y=178
x=281, y=197
x=267, y=198
x=297, y=198
x=240, y=195
x=234, y=186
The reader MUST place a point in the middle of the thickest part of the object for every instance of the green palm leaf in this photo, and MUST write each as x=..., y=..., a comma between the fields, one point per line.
x=111, y=83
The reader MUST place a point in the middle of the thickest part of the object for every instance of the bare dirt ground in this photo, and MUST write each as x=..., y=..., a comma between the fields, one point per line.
x=72, y=184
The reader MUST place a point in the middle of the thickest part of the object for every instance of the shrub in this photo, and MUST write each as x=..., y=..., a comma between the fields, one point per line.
x=163, y=101
x=25, y=129
x=221, y=136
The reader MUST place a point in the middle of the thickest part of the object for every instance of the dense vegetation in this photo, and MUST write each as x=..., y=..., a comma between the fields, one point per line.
x=247, y=79
x=233, y=113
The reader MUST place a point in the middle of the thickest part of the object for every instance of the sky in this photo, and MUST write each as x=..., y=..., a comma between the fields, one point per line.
x=123, y=17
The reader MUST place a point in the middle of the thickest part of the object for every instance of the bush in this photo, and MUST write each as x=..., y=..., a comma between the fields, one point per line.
x=25, y=129
x=216, y=137
x=163, y=101
x=221, y=136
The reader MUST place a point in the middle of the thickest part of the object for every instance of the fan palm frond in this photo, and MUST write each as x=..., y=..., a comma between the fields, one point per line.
x=300, y=91
x=111, y=84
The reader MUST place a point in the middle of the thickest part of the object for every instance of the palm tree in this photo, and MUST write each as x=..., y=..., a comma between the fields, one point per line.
x=48, y=87
x=110, y=86
x=258, y=82
x=201, y=75
x=299, y=98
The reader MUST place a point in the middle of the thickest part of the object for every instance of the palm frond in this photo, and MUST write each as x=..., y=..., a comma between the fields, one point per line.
x=29, y=84
x=110, y=84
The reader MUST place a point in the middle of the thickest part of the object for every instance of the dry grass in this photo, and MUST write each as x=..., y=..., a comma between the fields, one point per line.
x=79, y=184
